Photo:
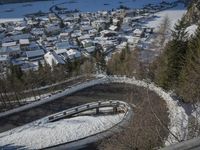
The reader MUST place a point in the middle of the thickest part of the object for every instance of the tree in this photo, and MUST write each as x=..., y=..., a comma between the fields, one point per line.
x=172, y=61
x=87, y=67
x=163, y=30
x=189, y=88
x=16, y=71
x=100, y=59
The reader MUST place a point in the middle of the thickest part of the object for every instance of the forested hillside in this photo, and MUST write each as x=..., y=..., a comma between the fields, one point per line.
x=178, y=67
x=193, y=13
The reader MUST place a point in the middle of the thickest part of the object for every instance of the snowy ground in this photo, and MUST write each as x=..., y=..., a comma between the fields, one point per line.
x=174, y=14
x=191, y=30
x=36, y=136
x=21, y=9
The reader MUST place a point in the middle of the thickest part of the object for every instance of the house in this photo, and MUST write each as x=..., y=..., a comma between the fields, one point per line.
x=132, y=41
x=100, y=24
x=126, y=28
x=127, y=20
x=115, y=21
x=53, y=59
x=84, y=37
x=62, y=53
x=73, y=54
x=138, y=32
x=8, y=44
x=108, y=33
x=51, y=39
x=52, y=29
x=113, y=28
x=26, y=66
x=32, y=46
x=53, y=17
x=90, y=49
x=37, y=31
x=64, y=36
x=86, y=28
x=35, y=55
x=93, y=32
x=76, y=33
x=62, y=45
x=17, y=37
x=11, y=50
x=24, y=42
x=4, y=60
x=20, y=28
x=87, y=43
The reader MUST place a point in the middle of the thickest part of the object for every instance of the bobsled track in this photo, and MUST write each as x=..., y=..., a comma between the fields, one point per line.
x=177, y=115
x=22, y=137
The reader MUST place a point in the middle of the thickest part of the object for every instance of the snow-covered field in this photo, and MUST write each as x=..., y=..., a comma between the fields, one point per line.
x=36, y=136
x=174, y=14
x=21, y=9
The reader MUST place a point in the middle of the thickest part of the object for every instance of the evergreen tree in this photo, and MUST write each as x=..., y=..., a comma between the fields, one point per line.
x=173, y=59
x=189, y=89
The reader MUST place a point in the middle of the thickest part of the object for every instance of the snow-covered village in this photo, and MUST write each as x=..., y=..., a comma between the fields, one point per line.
x=99, y=75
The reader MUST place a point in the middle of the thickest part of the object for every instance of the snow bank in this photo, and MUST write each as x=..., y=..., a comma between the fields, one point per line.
x=191, y=29
x=36, y=136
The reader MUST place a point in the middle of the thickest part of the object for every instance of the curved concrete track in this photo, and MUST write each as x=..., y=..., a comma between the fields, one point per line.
x=177, y=115
x=30, y=140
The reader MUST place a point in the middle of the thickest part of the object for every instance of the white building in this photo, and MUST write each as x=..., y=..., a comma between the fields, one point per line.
x=53, y=59
x=73, y=53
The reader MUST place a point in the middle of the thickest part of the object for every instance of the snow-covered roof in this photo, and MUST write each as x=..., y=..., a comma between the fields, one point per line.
x=21, y=36
x=36, y=53
x=61, y=51
x=64, y=34
x=10, y=49
x=90, y=49
x=137, y=32
x=113, y=28
x=52, y=38
x=62, y=45
x=8, y=44
x=4, y=58
x=20, y=28
x=73, y=53
x=24, y=41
